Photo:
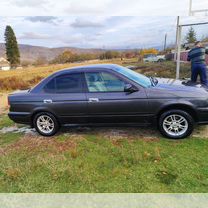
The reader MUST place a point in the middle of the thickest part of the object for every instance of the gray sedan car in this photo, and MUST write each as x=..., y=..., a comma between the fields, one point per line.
x=110, y=95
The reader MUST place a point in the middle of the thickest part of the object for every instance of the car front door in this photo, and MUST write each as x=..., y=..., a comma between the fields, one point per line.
x=66, y=98
x=108, y=103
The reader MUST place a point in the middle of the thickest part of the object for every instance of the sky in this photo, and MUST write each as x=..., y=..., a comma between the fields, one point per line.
x=107, y=24
x=98, y=7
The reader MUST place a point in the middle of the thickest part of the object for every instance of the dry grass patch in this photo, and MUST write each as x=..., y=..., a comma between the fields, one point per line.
x=34, y=144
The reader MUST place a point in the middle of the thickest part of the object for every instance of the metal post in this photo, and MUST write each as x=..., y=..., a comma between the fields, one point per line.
x=192, y=11
x=176, y=44
x=165, y=43
x=190, y=8
x=178, y=52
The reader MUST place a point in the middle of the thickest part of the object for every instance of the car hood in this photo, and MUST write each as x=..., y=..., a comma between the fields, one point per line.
x=177, y=84
x=178, y=88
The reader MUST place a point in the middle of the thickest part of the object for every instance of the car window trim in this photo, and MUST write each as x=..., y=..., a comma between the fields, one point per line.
x=65, y=74
x=107, y=71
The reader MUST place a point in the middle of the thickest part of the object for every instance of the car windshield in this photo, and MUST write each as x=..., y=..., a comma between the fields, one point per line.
x=134, y=76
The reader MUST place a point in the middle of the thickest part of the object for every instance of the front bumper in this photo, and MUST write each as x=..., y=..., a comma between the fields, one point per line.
x=202, y=114
x=20, y=117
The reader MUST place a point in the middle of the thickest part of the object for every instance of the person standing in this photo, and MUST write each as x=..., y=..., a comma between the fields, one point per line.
x=198, y=64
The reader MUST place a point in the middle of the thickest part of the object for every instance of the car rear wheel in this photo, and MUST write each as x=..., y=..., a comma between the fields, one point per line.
x=46, y=124
x=176, y=124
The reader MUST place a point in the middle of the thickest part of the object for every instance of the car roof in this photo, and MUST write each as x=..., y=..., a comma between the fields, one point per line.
x=86, y=67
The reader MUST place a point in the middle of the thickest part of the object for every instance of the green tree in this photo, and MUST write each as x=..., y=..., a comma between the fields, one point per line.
x=110, y=55
x=204, y=38
x=191, y=36
x=65, y=57
x=41, y=60
x=12, y=50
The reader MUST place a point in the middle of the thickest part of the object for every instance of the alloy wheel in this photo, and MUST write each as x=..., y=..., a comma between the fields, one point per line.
x=45, y=124
x=175, y=125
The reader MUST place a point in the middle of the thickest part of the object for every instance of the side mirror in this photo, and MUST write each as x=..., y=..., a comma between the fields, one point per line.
x=130, y=88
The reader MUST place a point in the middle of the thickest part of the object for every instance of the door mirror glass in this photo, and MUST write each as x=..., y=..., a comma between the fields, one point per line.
x=130, y=88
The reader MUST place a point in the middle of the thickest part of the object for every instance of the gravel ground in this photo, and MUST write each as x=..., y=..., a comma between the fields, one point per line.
x=107, y=132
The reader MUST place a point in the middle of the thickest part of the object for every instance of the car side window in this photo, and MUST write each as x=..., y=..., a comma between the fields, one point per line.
x=70, y=83
x=104, y=82
x=50, y=87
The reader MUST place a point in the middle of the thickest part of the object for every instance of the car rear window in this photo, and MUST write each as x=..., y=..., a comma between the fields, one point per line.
x=50, y=87
x=71, y=83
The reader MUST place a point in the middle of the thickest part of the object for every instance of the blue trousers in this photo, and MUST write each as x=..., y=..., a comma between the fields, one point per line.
x=201, y=70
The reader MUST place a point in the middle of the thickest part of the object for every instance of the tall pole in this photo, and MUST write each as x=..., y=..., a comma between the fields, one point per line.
x=190, y=8
x=165, y=43
x=176, y=43
x=178, y=52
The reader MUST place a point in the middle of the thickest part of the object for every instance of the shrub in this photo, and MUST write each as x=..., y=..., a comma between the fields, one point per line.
x=13, y=83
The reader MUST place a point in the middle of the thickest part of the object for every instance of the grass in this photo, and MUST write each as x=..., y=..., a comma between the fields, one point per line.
x=5, y=121
x=102, y=160
x=9, y=138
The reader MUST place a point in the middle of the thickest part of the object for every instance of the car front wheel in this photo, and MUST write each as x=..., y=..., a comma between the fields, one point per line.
x=45, y=124
x=176, y=124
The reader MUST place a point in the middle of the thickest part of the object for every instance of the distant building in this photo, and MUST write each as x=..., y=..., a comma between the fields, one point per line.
x=4, y=64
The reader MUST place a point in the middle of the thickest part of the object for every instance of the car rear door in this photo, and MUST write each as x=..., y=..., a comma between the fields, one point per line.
x=68, y=100
x=108, y=103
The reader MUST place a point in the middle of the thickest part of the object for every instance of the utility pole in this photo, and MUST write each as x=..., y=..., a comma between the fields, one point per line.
x=190, y=8
x=165, y=43
x=176, y=44
x=192, y=11
x=178, y=52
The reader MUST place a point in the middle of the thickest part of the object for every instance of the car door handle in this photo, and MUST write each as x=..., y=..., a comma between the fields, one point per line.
x=47, y=101
x=93, y=100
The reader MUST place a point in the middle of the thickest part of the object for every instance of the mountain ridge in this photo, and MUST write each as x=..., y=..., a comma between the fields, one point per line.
x=32, y=53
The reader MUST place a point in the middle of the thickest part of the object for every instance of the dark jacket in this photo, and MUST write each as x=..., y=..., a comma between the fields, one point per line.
x=197, y=55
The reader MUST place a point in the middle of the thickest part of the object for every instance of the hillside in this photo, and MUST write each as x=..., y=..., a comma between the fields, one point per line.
x=31, y=53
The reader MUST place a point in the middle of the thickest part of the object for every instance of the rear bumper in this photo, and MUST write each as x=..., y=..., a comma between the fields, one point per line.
x=20, y=117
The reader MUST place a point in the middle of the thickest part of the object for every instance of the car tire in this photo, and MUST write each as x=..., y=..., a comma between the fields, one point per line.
x=176, y=124
x=46, y=124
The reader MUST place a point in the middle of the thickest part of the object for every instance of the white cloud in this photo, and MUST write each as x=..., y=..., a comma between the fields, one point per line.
x=86, y=7
x=99, y=7
x=29, y=3
x=115, y=32
x=34, y=36
x=41, y=18
x=86, y=23
x=44, y=19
